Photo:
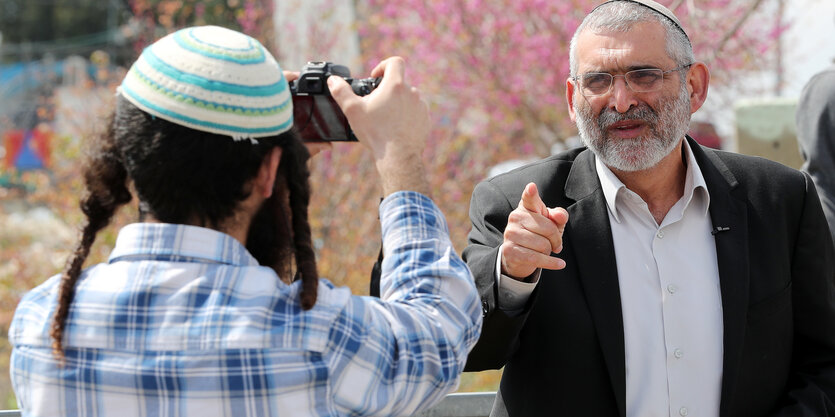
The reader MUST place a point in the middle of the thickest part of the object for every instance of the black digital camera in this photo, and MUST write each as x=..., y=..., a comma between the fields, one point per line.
x=316, y=115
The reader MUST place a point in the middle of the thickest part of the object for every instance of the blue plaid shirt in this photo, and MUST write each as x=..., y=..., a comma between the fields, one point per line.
x=182, y=321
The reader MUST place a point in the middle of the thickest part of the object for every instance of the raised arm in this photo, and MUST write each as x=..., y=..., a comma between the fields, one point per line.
x=404, y=351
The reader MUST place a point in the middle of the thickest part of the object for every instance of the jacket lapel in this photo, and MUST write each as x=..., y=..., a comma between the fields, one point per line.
x=729, y=213
x=591, y=240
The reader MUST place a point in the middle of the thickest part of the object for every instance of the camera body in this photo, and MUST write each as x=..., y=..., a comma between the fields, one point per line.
x=316, y=115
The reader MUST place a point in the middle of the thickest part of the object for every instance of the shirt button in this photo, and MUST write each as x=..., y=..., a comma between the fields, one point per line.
x=660, y=235
x=672, y=289
x=683, y=411
x=678, y=353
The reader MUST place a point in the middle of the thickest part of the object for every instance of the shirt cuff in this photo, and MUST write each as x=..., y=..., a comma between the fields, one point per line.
x=409, y=215
x=513, y=294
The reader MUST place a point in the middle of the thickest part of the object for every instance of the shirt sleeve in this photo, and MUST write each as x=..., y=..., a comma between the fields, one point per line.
x=403, y=352
x=513, y=294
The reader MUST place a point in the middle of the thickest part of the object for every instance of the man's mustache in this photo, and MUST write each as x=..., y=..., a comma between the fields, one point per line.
x=608, y=117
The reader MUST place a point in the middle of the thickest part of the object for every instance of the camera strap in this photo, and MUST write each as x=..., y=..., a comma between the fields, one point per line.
x=376, y=271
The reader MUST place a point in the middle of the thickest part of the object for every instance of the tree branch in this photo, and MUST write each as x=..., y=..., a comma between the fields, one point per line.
x=729, y=34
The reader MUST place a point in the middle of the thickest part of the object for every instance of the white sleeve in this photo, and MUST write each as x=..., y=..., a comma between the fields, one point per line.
x=513, y=294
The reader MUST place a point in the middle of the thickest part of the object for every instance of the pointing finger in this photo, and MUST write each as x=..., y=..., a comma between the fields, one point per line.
x=531, y=201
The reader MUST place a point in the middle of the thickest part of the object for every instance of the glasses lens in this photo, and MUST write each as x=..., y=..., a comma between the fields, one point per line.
x=596, y=83
x=645, y=80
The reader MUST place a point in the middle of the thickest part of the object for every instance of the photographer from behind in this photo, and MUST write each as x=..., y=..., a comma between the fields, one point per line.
x=211, y=304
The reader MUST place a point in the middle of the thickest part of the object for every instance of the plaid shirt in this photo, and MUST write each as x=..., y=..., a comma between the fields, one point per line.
x=182, y=321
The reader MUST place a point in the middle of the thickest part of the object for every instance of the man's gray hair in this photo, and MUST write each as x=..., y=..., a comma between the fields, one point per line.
x=620, y=16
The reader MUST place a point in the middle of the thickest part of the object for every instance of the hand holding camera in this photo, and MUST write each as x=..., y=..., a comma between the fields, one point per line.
x=316, y=115
x=393, y=121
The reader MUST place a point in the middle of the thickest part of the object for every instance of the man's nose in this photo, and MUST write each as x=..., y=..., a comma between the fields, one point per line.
x=621, y=97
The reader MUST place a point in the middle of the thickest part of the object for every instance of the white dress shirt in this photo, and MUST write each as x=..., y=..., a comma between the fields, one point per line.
x=670, y=299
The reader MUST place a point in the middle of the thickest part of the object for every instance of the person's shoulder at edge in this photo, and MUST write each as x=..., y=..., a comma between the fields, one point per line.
x=827, y=73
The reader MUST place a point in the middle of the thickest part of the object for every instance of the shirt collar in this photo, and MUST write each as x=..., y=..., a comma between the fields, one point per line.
x=178, y=243
x=695, y=187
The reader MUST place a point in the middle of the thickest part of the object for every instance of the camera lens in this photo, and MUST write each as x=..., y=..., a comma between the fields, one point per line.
x=365, y=86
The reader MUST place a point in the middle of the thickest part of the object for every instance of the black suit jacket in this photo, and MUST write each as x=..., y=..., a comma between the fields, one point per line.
x=564, y=354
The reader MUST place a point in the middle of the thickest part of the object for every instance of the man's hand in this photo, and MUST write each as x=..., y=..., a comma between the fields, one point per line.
x=533, y=232
x=393, y=121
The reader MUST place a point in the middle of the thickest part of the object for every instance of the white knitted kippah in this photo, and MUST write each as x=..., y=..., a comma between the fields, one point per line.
x=212, y=79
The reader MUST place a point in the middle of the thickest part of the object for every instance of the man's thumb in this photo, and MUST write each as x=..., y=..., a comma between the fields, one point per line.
x=341, y=92
x=559, y=216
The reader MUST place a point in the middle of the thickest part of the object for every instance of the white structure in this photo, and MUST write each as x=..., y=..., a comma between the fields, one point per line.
x=317, y=30
x=808, y=45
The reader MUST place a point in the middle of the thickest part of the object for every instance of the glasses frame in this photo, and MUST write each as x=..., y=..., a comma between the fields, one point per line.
x=578, y=79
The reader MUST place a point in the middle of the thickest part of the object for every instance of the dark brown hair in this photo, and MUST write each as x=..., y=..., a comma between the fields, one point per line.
x=185, y=176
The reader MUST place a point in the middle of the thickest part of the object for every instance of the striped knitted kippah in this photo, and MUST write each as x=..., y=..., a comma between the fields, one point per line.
x=212, y=79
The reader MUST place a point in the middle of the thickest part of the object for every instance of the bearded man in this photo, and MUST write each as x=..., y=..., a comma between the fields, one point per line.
x=688, y=281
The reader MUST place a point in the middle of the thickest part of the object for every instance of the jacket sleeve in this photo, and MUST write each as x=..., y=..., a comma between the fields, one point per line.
x=811, y=385
x=815, y=117
x=489, y=209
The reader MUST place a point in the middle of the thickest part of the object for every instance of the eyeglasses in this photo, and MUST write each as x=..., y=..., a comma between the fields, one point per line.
x=639, y=81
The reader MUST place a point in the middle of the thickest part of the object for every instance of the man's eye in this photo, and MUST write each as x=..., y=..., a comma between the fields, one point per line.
x=645, y=78
x=596, y=80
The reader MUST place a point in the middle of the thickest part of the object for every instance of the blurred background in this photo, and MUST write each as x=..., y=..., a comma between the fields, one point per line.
x=493, y=72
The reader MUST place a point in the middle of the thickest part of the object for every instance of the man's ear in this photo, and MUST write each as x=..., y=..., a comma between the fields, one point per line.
x=569, y=97
x=265, y=181
x=698, y=78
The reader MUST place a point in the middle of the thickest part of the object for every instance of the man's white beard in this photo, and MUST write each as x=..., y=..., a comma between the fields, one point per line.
x=643, y=152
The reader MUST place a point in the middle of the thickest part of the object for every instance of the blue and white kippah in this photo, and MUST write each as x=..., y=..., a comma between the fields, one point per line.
x=212, y=79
